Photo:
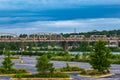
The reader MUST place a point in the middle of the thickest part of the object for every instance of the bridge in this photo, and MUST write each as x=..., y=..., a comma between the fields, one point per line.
x=54, y=37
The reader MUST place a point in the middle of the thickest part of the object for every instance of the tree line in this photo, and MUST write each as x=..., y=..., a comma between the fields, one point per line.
x=110, y=33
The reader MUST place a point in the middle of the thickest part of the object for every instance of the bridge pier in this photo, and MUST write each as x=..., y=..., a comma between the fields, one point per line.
x=65, y=46
x=114, y=43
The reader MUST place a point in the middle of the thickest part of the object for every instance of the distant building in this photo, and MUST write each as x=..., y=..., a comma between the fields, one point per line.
x=98, y=36
x=77, y=36
x=113, y=35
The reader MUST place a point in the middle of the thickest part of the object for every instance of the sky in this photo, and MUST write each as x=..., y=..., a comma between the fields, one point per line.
x=58, y=16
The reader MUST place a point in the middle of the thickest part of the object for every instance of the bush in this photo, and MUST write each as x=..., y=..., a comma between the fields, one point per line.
x=43, y=75
x=70, y=68
x=12, y=71
x=62, y=53
x=115, y=61
x=91, y=72
x=14, y=57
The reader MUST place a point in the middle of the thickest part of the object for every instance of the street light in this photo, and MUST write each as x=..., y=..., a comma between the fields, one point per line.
x=21, y=60
x=3, y=51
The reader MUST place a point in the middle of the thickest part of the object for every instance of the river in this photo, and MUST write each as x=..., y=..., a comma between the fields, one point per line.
x=75, y=52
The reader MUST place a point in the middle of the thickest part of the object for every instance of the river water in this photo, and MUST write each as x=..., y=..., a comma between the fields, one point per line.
x=88, y=52
x=75, y=52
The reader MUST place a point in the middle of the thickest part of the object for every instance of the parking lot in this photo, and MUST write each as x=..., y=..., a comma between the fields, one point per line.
x=29, y=64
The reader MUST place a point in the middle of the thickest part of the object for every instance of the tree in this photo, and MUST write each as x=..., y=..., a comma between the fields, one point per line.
x=43, y=64
x=84, y=55
x=7, y=63
x=99, y=57
x=84, y=46
x=77, y=57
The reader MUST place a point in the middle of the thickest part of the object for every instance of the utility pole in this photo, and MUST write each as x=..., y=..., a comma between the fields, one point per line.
x=74, y=30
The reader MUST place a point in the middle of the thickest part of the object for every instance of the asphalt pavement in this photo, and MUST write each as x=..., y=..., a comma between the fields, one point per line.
x=29, y=64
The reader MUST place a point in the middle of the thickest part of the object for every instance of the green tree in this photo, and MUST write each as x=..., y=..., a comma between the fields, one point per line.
x=84, y=46
x=43, y=64
x=7, y=63
x=77, y=57
x=84, y=55
x=99, y=57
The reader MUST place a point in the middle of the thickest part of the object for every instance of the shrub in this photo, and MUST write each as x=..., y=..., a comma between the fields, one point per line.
x=43, y=75
x=14, y=57
x=77, y=57
x=70, y=68
x=12, y=71
x=91, y=72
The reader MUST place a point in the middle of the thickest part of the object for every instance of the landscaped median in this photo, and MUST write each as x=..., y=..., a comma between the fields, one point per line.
x=46, y=71
x=99, y=60
x=97, y=76
x=41, y=79
x=42, y=76
x=13, y=72
x=94, y=74
x=70, y=69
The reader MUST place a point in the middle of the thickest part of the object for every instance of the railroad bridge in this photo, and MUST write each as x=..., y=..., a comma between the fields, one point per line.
x=54, y=37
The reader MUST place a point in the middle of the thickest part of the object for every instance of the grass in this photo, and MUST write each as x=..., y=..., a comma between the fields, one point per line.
x=14, y=57
x=70, y=69
x=13, y=71
x=94, y=74
x=43, y=75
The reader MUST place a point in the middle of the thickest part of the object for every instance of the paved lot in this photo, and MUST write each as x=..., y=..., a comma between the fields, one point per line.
x=29, y=64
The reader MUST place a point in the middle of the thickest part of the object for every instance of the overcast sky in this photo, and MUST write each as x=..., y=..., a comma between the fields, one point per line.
x=33, y=16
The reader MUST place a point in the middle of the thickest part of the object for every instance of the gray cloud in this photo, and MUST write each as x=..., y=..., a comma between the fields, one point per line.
x=63, y=26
